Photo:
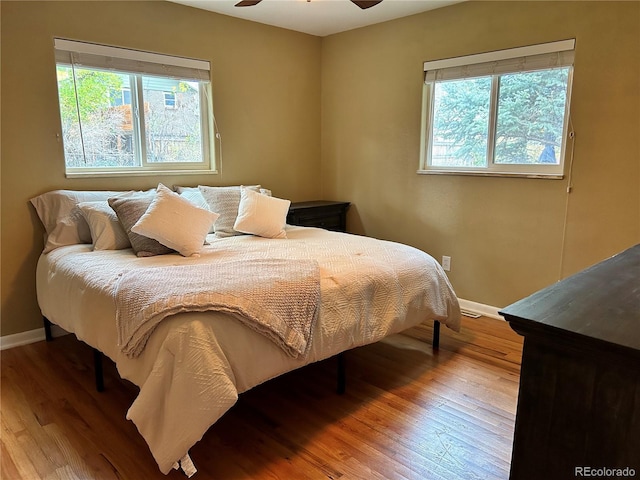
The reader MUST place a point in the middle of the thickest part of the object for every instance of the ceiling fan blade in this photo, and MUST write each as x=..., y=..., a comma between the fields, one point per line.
x=247, y=3
x=363, y=4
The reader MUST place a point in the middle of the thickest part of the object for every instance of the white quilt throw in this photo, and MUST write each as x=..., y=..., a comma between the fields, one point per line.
x=278, y=298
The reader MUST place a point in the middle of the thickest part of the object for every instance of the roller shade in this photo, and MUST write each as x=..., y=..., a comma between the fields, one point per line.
x=131, y=61
x=522, y=59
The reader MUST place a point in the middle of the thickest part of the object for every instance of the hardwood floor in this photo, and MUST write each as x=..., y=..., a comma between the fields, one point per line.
x=408, y=413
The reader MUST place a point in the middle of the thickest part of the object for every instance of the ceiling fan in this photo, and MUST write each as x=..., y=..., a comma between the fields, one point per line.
x=363, y=4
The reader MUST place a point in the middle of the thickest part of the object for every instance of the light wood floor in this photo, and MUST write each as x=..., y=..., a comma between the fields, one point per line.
x=408, y=413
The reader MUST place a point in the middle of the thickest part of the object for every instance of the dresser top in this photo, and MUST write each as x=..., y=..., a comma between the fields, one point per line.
x=601, y=303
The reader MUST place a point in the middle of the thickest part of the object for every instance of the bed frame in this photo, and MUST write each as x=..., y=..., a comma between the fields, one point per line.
x=341, y=377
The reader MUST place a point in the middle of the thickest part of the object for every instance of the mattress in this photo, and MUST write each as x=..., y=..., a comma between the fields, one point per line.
x=202, y=360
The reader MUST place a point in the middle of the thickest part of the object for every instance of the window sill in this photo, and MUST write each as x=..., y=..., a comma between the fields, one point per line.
x=137, y=173
x=545, y=176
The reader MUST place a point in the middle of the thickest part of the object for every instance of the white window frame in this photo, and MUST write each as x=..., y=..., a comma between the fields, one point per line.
x=494, y=64
x=138, y=63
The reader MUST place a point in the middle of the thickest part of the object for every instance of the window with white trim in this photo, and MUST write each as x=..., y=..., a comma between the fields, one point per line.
x=132, y=112
x=498, y=113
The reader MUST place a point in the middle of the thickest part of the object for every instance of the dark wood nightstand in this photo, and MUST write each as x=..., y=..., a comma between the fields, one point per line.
x=319, y=213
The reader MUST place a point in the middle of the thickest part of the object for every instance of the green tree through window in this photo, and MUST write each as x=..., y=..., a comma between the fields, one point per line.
x=529, y=119
x=504, y=112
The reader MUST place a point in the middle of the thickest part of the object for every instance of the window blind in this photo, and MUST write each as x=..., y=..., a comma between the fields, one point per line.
x=522, y=59
x=104, y=57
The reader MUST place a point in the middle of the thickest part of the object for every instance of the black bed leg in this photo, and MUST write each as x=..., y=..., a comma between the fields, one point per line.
x=436, y=334
x=342, y=374
x=47, y=329
x=97, y=364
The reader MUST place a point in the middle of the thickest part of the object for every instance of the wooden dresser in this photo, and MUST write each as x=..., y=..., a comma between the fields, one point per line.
x=319, y=213
x=579, y=399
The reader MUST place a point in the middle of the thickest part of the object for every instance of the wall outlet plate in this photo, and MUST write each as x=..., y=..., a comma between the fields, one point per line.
x=446, y=263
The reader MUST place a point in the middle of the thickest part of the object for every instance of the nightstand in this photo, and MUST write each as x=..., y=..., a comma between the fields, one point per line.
x=319, y=213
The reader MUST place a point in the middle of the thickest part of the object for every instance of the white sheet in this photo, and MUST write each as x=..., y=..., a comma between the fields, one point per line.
x=195, y=364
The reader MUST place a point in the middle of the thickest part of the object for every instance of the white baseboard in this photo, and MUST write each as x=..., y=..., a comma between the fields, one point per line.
x=32, y=336
x=485, y=310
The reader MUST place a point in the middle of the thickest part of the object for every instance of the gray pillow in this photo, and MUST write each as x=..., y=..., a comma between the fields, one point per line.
x=225, y=202
x=129, y=211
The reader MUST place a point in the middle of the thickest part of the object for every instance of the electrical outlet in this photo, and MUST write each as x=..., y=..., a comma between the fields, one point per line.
x=446, y=263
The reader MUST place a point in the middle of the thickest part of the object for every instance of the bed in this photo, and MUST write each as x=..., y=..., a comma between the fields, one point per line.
x=367, y=289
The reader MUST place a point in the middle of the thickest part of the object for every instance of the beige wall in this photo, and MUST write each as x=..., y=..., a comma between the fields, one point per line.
x=505, y=235
x=266, y=87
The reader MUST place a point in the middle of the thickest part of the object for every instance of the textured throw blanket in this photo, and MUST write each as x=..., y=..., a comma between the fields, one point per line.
x=276, y=297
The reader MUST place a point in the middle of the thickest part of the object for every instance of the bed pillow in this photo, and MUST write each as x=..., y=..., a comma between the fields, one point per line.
x=194, y=195
x=63, y=222
x=175, y=222
x=261, y=215
x=224, y=201
x=106, y=230
x=129, y=210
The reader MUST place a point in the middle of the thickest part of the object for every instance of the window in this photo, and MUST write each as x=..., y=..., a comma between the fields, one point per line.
x=120, y=97
x=498, y=113
x=129, y=112
x=169, y=100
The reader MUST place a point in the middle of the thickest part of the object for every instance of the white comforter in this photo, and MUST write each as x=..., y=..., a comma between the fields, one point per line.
x=198, y=362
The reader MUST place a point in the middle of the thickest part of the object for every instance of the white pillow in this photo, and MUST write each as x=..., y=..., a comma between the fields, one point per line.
x=175, y=222
x=106, y=231
x=261, y=215
x=194, y=195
